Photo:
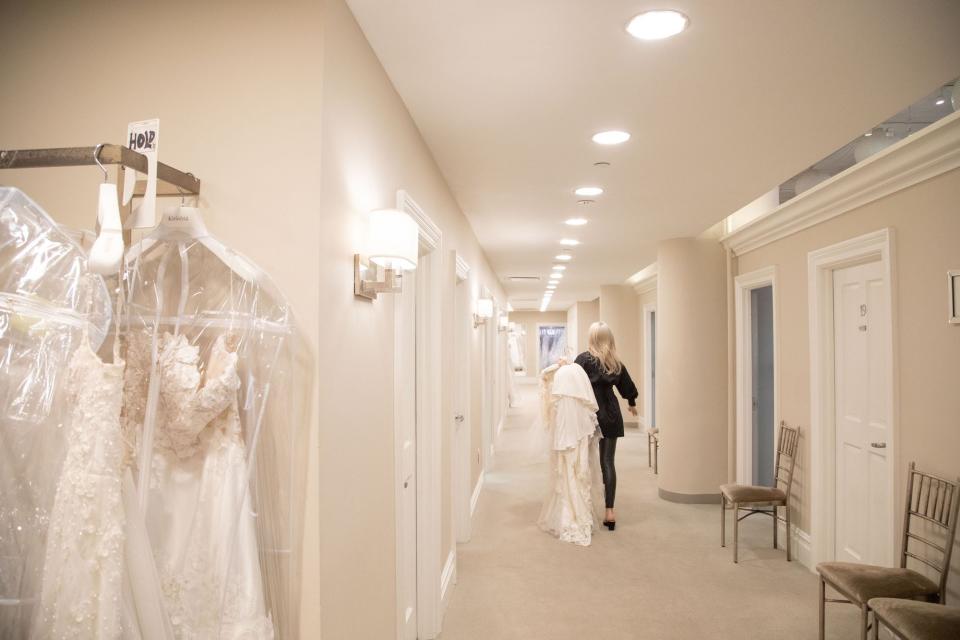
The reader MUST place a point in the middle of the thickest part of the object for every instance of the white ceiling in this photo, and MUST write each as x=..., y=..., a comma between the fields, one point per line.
x=507, y=95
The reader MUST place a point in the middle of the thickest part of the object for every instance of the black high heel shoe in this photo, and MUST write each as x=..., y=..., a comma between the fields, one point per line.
x=610, y=524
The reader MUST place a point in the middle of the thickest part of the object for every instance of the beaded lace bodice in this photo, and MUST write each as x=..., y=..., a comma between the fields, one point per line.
x=83, y=568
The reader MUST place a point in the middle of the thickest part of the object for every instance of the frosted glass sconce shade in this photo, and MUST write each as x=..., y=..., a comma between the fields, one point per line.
x=394, y=240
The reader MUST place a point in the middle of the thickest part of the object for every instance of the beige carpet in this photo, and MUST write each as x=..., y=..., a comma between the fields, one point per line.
x=661, y=574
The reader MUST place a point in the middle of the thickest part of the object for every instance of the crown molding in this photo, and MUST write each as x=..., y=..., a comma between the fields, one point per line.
x=644, y=280
x=924, y=155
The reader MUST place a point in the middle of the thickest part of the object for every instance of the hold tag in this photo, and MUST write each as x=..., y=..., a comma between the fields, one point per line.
x=143, y=137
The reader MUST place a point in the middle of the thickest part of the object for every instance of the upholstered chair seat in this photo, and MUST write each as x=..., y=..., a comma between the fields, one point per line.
x=912, y=620
x=861, y=582
x=744, y=493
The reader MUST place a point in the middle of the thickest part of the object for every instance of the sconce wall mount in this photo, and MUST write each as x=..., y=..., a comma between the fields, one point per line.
x=367, y=285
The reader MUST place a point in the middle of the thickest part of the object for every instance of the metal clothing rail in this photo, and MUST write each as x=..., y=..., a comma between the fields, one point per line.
x=170, y=181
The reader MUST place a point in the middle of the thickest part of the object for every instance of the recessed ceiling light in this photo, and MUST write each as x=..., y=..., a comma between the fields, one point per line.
x=551, y=287
x=559, y=267
x=588, y=191
x=569, y=242
x=564, y=257
x=576, y=222
x=940, y=101
x=657, y=25
x=611, y=137
x=556, y=276
x=868, y=134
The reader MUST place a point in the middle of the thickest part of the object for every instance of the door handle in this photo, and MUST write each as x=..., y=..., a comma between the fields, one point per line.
x=878, y=445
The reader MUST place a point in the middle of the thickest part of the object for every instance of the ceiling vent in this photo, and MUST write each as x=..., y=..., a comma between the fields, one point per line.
x=523, y=278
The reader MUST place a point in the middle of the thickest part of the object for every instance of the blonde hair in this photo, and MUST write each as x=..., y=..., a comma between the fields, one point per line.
x=602, y=347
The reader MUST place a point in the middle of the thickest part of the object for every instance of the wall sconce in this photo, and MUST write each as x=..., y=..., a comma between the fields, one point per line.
x=484, y=311
x=393, y=244
x=504, y=323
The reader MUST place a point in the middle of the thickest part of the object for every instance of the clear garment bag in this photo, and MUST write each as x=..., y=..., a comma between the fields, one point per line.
x=48, y=301
x=211, y=409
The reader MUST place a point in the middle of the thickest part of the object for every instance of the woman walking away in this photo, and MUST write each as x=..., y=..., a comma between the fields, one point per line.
x=606, y=371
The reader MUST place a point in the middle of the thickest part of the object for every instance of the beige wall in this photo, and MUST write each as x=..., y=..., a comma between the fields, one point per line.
x=371, y=149
x=617, y=307
x=530, y=320
x=926, y=244
x=691, y=392
x=580, y=316
x=247, y=120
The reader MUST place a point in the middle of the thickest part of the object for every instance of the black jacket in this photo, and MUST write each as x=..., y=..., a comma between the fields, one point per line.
x=609, y=416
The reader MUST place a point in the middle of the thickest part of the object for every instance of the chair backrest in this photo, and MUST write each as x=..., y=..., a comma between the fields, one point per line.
x=931, y=502
x=788, y=441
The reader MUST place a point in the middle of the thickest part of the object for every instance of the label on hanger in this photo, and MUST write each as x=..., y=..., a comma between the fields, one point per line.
x=143, y=137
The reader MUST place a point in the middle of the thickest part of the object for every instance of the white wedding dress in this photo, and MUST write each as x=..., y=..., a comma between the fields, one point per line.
x=569, y=408
x=83, y=567
x=199, y=515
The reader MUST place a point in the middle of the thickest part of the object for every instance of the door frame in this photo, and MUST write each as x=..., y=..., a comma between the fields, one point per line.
x=649, y=349
x=821, y=263
x=744, y=285
x=428, y=429
x=462, y=490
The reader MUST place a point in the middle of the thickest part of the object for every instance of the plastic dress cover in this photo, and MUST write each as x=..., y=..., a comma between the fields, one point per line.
x=211, y=407
x=47, y=300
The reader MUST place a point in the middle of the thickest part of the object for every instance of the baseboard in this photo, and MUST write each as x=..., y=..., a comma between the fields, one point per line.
x=448, y=577
x=800, y=545
x=476, y=494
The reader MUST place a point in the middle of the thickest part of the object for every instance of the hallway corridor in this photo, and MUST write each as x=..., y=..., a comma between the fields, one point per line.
x=660, y=575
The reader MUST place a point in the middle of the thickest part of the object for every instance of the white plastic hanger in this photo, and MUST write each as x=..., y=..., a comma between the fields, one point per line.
x=106, y=254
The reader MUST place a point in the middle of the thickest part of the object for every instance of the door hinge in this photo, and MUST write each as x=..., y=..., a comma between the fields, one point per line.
x=863, y=327
x=863, y=310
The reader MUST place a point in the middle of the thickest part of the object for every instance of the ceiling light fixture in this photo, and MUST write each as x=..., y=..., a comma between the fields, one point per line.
x=564, y=257
x=611, y=137
x=559, y=267
x=657, y=25
x=556, y=276
x=940, y=101
x=576, y=222
x=588, y=191
x=569, y=242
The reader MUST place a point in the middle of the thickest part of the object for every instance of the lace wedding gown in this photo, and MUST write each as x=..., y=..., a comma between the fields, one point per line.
x=569, y=409
x=199, y=515
x=83, y=567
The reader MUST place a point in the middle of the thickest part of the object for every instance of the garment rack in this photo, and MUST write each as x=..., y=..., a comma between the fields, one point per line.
x=170, y=181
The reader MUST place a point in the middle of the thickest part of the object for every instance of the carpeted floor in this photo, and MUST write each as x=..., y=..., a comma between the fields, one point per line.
x=661, y=574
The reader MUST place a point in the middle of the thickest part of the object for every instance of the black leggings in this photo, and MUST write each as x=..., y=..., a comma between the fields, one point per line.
x=608, y=449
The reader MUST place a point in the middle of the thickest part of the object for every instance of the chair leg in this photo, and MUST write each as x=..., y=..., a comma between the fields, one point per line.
x=822, y=609
x=723, y=521
x=649, y=451
x=736, y=530
x=786, y=513
x=774, y=526
x=876, y=626
x=656, y=455
x=864, y=619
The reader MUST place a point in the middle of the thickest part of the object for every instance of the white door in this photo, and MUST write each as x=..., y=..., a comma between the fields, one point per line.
x=461, y=417
x=406, y=341
x=863, y=432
